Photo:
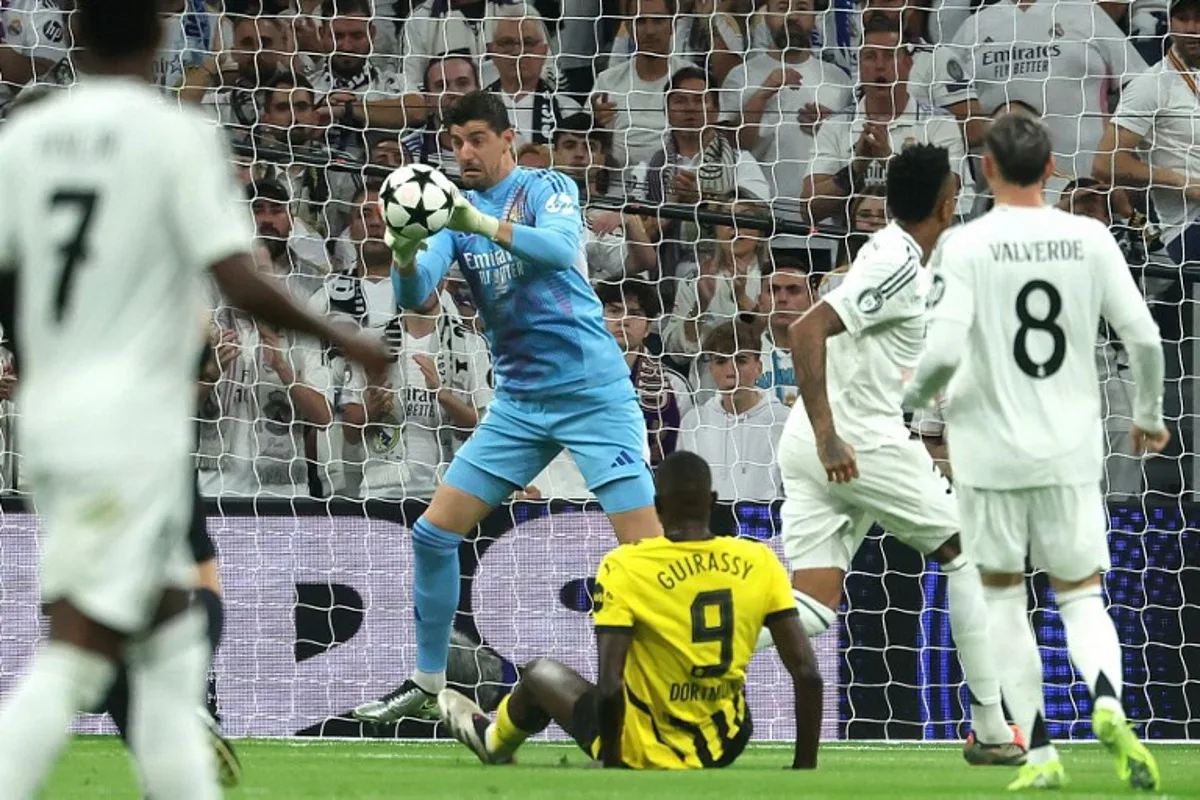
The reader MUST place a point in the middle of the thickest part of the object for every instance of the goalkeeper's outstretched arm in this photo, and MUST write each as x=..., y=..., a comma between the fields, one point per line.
x=801, y=663
x=552, y=242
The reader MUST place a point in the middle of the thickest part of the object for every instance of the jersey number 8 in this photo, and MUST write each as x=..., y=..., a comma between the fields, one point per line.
x=1048, y=323
x=703, y=633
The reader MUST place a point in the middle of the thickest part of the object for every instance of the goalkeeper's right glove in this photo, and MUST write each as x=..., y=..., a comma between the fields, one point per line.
x=404, y=248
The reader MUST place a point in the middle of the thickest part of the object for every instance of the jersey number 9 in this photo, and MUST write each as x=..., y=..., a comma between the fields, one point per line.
x=722, y=632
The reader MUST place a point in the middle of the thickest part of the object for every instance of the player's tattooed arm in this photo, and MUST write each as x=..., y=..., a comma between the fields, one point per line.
x=807, y=337
x=796, y=653
x=614, y=649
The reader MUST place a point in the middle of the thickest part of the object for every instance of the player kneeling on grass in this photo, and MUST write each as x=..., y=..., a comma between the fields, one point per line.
x=676, y=622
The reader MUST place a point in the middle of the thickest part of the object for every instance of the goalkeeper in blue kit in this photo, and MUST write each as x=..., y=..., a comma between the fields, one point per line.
x=561, y=379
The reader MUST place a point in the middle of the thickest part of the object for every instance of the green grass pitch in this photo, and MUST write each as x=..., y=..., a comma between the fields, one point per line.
x=98, y=767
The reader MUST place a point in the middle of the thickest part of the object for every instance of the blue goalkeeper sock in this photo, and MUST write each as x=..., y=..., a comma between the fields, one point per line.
x=435, y=594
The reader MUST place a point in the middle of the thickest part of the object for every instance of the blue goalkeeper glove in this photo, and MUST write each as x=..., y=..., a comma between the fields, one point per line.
x=404, y=249
x=466, y=218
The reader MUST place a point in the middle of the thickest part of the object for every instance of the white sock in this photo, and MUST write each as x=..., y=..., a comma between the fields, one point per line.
x=1020, y=666
x=1092, y=643
x=970, y=628
x=167, y=672
x=36, y=717
x=430, y=682
x=815, y=619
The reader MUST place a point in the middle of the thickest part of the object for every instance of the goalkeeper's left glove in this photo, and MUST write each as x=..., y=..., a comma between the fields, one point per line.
x=466, y=218
x=404, y=248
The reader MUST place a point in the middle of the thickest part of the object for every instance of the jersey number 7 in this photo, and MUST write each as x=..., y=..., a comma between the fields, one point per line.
x=74, y=249
x=703, y=633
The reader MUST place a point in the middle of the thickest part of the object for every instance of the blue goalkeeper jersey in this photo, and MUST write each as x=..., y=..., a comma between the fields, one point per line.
x=544, y=323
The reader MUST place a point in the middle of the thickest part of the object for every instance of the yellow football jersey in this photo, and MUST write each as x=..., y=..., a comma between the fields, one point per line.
x=695, y=609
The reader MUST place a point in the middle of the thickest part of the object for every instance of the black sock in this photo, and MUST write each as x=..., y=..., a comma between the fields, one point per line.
x=214, y=610
x=116, y=703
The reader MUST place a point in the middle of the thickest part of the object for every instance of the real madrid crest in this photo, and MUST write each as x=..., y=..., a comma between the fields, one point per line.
x=870, y=301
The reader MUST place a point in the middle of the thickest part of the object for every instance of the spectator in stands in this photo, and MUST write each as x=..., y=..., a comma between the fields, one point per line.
x=1060, y=57
x=272, y=387
x=287, y=245
x=384, y=151
x=789, y=295
x=362, y=289
x=359, y=94
x=617, y=243
x=33, y=41
x=853, y=146
x=534, y=156
x=630, y=310
x=629, y=97
x=724, y=285
x=189, y=32
x=709, y=33
x=257, y=56
x=433, y=397
x=696, y=164
x=1159, y=109
x=776, y=99
x=437, y=27
x=738, y=430
x=447, y=78
x=290, y=125
x=518, y=44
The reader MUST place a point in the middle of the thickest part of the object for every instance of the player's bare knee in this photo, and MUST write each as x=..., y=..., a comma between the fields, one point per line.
x=636, y=525
x=1060, y=586
x=1000, y=580
x=824, y=585
x=207, y=576
x=455, y=511
x=71, y=626
x=948, y=550
x=172, y=603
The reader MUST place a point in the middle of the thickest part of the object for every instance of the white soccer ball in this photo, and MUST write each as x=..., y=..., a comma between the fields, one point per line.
x=416, y=200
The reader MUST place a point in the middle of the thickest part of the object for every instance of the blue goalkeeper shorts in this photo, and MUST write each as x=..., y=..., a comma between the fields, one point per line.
x=602, y=428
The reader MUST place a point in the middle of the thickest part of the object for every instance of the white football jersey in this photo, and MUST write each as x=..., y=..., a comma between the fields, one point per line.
x=881, y=302
x=114, y=203
x=1023, y=408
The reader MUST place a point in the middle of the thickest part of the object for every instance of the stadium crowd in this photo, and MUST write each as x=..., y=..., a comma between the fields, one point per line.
x=689, y=125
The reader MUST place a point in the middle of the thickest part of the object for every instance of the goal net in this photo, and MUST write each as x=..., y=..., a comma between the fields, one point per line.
x=730, y=159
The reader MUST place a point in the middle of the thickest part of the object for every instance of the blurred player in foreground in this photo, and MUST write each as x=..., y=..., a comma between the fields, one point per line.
x=1013, y=334
x=114, y=203
x=561, y=379
x=866, y=335
x=677, y=618
x=207, y=592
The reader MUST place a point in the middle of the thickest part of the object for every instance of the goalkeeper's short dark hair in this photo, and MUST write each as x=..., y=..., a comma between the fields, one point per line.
x=479, y=107
x=1020, y=148
x=113, y=29
x=915, y=177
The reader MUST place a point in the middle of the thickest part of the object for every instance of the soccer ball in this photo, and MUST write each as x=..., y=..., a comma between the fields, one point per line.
x=416, y=200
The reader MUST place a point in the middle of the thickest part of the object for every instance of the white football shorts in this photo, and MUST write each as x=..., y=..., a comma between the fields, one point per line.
x=1062, y=529
x=898, y=486
x=114, y=539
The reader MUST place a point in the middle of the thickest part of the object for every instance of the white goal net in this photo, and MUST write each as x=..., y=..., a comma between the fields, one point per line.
x=730, y=160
